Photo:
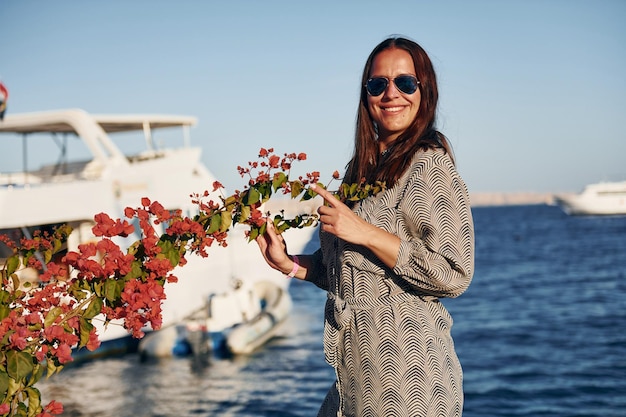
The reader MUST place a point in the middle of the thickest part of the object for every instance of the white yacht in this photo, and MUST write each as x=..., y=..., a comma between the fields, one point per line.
x=105, y=179
x=603, y=198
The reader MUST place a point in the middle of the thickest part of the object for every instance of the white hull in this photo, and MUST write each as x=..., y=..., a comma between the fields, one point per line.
x=72, y=192
x=608, y=198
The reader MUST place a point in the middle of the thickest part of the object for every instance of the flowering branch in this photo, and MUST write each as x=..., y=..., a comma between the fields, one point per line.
x=41, y=323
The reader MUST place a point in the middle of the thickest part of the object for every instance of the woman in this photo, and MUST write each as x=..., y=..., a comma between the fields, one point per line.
x=386, y=260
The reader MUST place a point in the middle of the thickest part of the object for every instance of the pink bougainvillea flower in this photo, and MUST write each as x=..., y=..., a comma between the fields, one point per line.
x=129, y=212
x=17, y=340
x=94, y=341
x=103, y=223
x=63, y=353
x=217, y=185
x=54, y=408
x=256, y=218
x=274, y=161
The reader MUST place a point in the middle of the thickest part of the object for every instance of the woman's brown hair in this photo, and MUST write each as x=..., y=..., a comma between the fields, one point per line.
x=366, y=162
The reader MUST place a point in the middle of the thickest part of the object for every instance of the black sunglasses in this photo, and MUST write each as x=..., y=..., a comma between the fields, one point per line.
x=407, y=84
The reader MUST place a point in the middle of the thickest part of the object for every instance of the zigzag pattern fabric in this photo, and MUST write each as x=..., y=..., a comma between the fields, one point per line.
x=386, y=333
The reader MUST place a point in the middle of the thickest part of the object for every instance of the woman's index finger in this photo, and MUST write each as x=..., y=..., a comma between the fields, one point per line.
x=325, y=194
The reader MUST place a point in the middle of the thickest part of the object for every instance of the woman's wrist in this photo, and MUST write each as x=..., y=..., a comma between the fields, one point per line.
x=296, y=266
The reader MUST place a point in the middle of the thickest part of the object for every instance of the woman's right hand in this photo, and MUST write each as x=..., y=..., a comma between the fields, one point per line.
x=274, y=249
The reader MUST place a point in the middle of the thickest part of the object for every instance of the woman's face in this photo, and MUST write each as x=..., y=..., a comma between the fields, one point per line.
x=393, y=111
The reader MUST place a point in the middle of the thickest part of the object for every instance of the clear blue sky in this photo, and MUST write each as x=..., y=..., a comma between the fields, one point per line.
x=533, y=93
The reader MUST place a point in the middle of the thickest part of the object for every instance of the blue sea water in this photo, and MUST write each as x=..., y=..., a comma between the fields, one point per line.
x=540, y=332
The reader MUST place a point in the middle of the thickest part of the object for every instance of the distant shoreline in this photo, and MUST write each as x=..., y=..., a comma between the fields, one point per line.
x=483, y=199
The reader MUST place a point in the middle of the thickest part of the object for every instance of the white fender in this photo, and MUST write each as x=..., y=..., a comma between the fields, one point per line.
x=248, y=336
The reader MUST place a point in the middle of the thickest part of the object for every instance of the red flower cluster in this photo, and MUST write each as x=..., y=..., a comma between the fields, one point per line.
x=105, y=226
x=143, y=301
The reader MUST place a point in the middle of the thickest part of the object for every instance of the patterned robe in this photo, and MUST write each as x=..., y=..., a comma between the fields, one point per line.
x=385, y=332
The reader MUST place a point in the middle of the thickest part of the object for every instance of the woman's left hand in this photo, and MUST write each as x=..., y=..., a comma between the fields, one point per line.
x=339, y=220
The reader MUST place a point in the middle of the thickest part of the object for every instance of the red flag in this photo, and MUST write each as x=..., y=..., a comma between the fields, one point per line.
x=4, y=97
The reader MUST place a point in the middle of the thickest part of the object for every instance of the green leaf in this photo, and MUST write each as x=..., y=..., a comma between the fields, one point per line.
x=262, y=229
x=13, y=263
x=279, y=179
x=171, y=253
x=5, y=338
x=14, y=386
x=265, y=191
x=52, y=316
x=227, y=220
x=251, y=197
x=19, y=364
x=47, y=256
x=34, y=401
x=136, y=271
x=5, y=310
x=216, y=222
x=78, y=289
x=112, y=291
x=94, y=308
x=309, y=194
x=4, y=384
x=254, y=232
x=311, y=221
x=85, y=330
x=345, y=190
x=57, y=245
x=281, y=227
x=36, y=375
x=245, y=213
x=16, y=281
x=296, y=188
x=35, y=327
x=230, y=201
x=98, y=288
x=52, y=368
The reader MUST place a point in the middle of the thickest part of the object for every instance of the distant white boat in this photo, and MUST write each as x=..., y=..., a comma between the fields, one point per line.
x=71, y=192
x=604, y=198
